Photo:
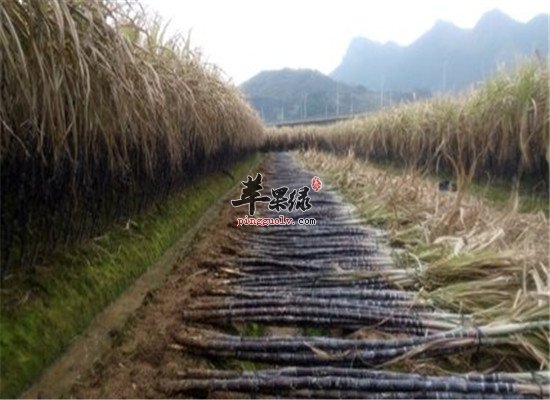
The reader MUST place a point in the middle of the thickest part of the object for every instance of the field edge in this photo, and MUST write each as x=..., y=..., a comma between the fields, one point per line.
x=33, y=337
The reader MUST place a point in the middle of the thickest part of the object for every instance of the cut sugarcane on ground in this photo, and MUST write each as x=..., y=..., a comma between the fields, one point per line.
x=92, y=195
x=365, y=321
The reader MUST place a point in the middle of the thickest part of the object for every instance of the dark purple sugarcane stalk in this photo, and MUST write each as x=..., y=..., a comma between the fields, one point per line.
x=362, y=357
x=207, y=339
x=307, y=320
x=257, y=243
x=325, y=259
x=369, y=358
x=339, y=371
x=324, y=250
x=290, y=286
x=361, y=316
x=365, y=261
x=348, y=309
x=336, y=292
x=317, y=356
x=281, y=383
x=355, y=394
x=279, y=279
x=326, y=232
x=293, y=277
x=306, y=301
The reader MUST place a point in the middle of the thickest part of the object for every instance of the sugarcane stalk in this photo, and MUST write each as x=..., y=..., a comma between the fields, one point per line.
x=292, y=277
x=368, y=357
x=257, y=242
x=362, y=261
x=356, y=394
x=397, y=305
x=353, y=372
x=329, y=250
x=368, y=316
x=306, y=320
x=336, y=292
x=316, y=265
x=216, y=341
x=316, y=356
x=320, y=232
x=357, y=284
x=278, y=383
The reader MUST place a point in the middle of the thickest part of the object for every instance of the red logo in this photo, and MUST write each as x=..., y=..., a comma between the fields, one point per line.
x=316, y=183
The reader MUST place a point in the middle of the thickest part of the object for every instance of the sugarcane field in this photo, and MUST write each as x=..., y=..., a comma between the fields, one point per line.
x=291, y=199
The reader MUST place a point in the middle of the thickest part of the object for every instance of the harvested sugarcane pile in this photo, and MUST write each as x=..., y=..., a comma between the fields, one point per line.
x=338, y=276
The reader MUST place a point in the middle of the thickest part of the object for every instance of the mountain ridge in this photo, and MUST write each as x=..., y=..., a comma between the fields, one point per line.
x=294, y=94
x=446, y=57
x=374, y=75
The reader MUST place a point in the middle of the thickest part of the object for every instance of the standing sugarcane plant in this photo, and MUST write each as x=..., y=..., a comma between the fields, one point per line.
x=100, y=118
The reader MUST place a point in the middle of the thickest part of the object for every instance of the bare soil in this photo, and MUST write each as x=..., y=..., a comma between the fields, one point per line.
x=143, y=352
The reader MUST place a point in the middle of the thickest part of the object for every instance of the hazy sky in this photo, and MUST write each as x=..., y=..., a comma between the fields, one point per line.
x=244, y=37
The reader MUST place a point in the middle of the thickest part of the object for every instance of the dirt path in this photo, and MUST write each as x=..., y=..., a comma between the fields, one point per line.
x=309, y=311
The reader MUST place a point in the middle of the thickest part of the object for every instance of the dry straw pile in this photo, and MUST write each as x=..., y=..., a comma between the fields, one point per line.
x=489, y=265
x=100, y=116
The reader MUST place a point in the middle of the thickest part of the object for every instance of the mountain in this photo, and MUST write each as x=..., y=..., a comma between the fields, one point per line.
x=293, y=94
x=446, y=57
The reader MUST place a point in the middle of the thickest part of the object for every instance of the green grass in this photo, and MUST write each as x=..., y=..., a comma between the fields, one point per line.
x=47, y=309
x=315, y=331
x=499, y=194
x=253, y=329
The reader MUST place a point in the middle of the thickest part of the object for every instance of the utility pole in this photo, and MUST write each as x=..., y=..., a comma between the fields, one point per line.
x=337, y=98
x=305, y=106
x=444, y=76
x=382, y=93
